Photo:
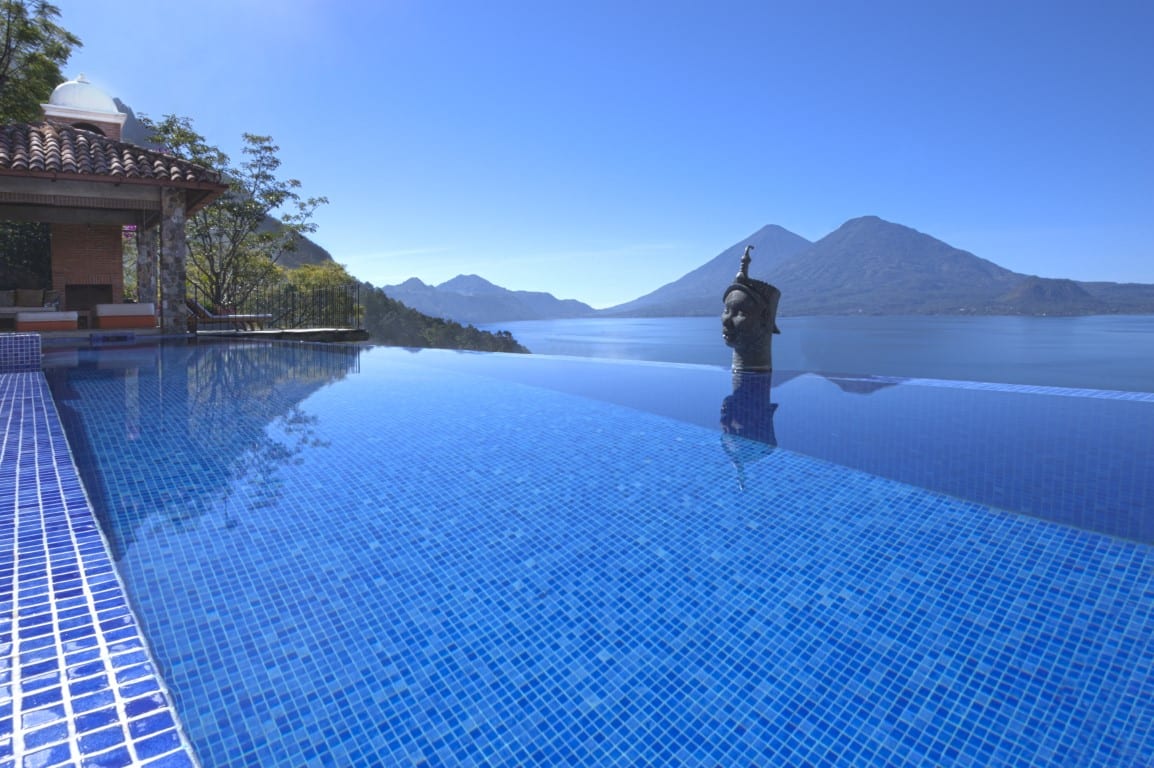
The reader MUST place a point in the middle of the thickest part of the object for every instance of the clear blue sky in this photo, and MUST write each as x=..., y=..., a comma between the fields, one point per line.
x=597, y=149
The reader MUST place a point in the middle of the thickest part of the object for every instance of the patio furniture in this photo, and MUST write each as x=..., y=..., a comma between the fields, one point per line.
x=16, y=300
x=203, y=320
x=107, y=316
x=37, y=319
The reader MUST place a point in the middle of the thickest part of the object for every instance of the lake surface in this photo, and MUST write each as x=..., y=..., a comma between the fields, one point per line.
x=1098, y=352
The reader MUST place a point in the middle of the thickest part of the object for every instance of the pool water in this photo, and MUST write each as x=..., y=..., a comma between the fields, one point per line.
x=348, y=556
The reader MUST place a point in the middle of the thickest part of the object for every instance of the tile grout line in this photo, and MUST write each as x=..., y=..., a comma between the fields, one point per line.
x=16, y=682
x=53, y=417
x=70, y=712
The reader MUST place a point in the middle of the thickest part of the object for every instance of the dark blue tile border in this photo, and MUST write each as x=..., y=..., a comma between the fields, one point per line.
x=19, y=352
x=77, y=684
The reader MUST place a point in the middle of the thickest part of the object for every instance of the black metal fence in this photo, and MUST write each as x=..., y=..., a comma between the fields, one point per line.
x=337, y=306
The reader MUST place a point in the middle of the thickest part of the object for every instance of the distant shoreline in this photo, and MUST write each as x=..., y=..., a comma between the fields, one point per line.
x=1114, y=352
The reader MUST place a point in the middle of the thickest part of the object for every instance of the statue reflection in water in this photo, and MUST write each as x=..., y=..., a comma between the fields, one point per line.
x=748, y=323
x=747, y=421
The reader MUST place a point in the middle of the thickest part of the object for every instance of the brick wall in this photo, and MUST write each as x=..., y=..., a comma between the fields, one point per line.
x=110, y=130
x=87, y=254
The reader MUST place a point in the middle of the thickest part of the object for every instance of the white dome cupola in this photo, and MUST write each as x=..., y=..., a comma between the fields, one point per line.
x=81, y=104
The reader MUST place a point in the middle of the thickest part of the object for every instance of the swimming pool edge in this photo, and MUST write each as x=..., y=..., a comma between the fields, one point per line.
x=78, y=681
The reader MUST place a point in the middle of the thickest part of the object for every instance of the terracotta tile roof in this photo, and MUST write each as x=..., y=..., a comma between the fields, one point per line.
x=60, y=150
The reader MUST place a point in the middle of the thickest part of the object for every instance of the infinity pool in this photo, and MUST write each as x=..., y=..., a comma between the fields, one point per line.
x=376, y=556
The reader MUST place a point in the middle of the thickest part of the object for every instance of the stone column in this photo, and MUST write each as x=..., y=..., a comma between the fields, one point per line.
x=173, y=256
x=146, y=248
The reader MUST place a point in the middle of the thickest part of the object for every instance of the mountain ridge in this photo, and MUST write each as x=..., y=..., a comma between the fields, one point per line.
x=866, y=266
x=699, y=291
x=473, y=299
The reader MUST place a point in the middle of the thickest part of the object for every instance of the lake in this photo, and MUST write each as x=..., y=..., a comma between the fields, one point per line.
x=1097, y=352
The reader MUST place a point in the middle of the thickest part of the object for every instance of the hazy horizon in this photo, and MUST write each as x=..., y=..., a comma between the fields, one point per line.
x=598, y=151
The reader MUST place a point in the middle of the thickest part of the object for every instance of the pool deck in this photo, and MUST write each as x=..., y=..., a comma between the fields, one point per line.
x=77, y=682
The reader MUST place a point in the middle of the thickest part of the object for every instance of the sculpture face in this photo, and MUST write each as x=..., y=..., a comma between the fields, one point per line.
x=750, y=320
x=740, y=317
x=746, y=329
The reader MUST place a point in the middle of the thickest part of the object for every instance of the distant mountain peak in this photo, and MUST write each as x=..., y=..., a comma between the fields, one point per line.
x=469, y=285
x=868, y=265
x=473, y=299
x=699, y=292
x=874, y=224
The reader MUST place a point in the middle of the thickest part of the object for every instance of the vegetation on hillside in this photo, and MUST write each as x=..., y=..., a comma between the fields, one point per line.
x=234, y=254
x=231, y=252
x=391, y=322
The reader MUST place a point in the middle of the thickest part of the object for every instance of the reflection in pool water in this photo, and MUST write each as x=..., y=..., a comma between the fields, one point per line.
x=747, y=420
x=382, y=556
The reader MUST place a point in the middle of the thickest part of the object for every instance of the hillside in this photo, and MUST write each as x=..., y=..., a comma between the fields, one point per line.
x=868, y=265
x=872, y=266
x=699, y=292
x=472, y=299
x=865, y=266
x=392, y=322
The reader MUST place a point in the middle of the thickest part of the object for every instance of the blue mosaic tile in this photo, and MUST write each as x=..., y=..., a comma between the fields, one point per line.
x=68, y=636
x=403, y=560
x=19, y=352
x=1075, y=456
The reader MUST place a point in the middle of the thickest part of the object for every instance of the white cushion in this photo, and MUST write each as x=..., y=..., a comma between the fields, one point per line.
x=45, y=317
x=124, y=310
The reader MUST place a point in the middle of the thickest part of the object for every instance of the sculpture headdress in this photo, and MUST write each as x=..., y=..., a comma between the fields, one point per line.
x=762, y=292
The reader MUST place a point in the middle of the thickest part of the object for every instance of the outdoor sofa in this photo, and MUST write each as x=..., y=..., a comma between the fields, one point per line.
x=16, y=301
x=45, y=319
x=122, y=316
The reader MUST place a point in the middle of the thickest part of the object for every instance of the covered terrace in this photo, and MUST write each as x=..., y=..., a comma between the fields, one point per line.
x=74, y=173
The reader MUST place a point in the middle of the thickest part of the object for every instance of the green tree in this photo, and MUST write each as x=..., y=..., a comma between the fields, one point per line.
x=234, y=244
x=33, y=48
x=322, y=295
x=326, y=275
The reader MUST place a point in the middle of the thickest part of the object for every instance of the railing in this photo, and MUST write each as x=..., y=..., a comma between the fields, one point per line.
x=290, y=307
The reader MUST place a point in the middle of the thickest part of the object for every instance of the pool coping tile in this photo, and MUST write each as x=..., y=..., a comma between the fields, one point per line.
x=71, y=649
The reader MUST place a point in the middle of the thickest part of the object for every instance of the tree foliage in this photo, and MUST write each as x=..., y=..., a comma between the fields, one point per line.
x=33, y=48
x=321, y=296
x=234, y=244
x=388, y=321
x=314, y=276
x=25, y=249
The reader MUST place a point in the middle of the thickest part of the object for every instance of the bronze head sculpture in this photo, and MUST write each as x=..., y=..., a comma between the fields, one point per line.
x=749, y=319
